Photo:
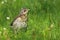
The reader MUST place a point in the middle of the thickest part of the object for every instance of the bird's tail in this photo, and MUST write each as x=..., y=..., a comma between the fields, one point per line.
x=11, y=24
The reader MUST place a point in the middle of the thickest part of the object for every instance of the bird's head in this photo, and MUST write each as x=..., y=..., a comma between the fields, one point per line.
x=24, y=11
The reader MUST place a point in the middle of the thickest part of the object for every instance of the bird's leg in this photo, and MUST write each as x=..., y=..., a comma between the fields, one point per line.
x=25, y=29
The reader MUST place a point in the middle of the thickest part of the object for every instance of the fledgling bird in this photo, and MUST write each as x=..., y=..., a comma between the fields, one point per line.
x=20, y=21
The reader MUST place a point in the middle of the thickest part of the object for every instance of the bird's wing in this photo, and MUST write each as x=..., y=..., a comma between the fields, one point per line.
x=13, y=21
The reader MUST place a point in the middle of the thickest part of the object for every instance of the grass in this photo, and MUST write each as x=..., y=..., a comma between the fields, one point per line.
x=43, y=19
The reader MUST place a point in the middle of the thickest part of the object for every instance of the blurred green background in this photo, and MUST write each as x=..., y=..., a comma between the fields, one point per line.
x=43, y=19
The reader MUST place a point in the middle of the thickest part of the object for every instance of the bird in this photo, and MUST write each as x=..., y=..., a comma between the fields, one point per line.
x=20, y=21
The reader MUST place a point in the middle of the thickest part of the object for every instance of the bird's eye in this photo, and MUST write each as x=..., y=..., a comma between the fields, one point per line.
x=24, y=10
